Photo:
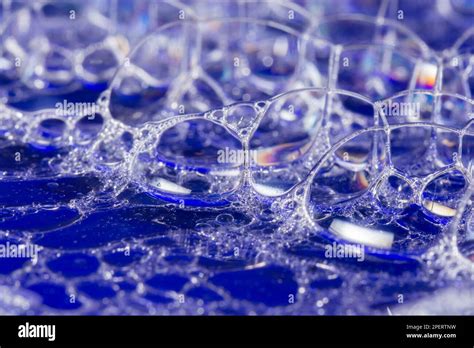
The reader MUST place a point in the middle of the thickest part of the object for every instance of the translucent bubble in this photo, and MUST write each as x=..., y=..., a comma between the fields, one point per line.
x=51, y=128
x=373, y=61
x=43, y=46
x=463, y=227
x=99, y=64
x=88, y=127
x=467, y=150
x=282, y=142
x=349, y=169
x=192, y=159
x=452, y=18
x=198, y=72
x=413, y=204
x=442, y=194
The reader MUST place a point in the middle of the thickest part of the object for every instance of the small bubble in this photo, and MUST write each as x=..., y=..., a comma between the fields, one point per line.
x=225, y=219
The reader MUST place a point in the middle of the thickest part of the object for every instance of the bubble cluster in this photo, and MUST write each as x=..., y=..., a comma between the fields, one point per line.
x=241, y=158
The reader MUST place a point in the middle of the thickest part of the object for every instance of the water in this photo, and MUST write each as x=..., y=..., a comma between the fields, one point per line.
x=236, y=166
